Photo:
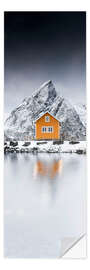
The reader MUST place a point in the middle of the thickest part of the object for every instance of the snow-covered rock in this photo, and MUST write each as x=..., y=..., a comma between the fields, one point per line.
x=20, y=124
x=81, y=110
x=48, y=147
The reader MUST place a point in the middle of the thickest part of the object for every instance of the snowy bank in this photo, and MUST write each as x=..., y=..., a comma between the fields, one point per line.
x=45, y=146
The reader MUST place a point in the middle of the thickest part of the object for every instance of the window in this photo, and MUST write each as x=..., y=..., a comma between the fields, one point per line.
x=50, y=129
x=47, y=129
x=47, y=118
x=44, y=129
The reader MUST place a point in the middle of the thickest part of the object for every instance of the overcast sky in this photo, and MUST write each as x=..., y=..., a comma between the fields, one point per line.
x=40, y=46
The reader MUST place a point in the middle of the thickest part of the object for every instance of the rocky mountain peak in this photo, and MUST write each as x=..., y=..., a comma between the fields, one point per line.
x=20, y=122
x=46, y=93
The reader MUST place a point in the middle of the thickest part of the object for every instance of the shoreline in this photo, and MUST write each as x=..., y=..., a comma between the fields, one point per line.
x=45, y=147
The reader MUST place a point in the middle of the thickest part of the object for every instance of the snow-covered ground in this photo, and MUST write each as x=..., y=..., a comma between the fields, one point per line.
x=48, y=146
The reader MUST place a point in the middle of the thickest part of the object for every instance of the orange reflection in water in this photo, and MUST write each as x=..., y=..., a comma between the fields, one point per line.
x=51, y=170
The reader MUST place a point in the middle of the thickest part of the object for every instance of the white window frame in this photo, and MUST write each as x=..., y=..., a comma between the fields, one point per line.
x=47, y=118
x=49, y=127
x=43, y=131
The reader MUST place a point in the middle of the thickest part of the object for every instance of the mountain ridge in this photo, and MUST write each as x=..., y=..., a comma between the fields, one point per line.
x=20, y=123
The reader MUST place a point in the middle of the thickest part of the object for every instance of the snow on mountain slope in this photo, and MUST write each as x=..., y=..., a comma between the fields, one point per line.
x=20, y=123
x=81, y=110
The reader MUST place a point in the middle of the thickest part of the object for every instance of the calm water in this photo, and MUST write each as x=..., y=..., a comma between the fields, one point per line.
x=44, y=202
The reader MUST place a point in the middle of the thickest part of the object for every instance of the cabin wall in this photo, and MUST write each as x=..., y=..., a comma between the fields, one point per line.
x=53, y=122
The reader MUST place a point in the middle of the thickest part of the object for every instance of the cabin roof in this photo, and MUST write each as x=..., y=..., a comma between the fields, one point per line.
x=44, y=114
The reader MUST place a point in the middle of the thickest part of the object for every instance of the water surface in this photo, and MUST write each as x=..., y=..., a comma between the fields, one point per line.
x=44, y=203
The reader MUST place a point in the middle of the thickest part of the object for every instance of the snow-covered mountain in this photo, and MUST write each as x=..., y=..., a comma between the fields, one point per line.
x=81, y=110
x=20, y=124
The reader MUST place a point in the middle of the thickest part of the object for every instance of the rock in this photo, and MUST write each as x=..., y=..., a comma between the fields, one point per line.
x=34, y=149
x=26, y=144
x=27, y=150
x=6, y=149
x=38, y=143
x=22, y=150
x=73, y=142
x=79, y=151
x=5, y=143
x=13, y=143
x=58, y=142
x=17, y=150
x=11, y=149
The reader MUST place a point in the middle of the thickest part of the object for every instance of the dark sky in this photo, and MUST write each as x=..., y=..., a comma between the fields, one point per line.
x=40, y=46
